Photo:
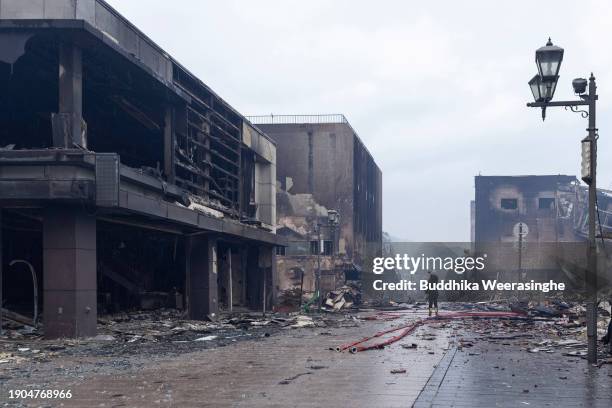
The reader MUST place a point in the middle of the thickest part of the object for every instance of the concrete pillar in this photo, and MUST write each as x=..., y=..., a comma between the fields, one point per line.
x=169, y=141
x=265, y=192
x=230, y=282
x=69, y=272
x=201, y=265
x=265, y=262
x=1, y=271
x=68, y=125
x=275, y=279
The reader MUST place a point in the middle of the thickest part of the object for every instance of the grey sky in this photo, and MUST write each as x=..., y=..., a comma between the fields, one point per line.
x=436, y=89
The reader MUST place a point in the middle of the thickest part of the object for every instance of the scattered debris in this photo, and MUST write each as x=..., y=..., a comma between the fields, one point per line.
x=318, y=367
x=160, y=331
x=206, y=338
x=398, y=371
x=17, y=318
x=295, y=377
x=103, y=337
x=290, y=299
x=303, y=321
x=343, y=298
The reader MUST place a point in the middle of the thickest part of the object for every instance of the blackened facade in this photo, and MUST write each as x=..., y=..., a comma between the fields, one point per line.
x=323, y=165
x=124, y=180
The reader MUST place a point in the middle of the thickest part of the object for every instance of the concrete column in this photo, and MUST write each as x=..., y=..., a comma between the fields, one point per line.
x=230, y=286
x=69, y=273
x=1, y=271
x=275, y=279
x=169, y=138
x=68, y=125
x=265, y=261
x=201, y=265
x=265, y=192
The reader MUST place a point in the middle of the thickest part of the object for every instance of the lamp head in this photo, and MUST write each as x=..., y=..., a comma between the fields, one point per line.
x=579, y=85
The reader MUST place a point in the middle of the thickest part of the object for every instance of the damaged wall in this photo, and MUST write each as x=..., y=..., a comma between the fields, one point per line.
x=134, y=167
x=321, y=167
x=544, y=208
x=541, y=202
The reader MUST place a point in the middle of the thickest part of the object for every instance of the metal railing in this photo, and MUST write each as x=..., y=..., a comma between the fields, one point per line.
x=296, y=119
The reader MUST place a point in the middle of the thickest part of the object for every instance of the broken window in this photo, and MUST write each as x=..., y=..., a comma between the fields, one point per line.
x=509, y=203
x=328, y=247
x=297, y=248
x=314, y=247
x=546, y=203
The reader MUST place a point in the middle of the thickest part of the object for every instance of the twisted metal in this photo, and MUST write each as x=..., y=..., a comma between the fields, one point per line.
x=575, y=109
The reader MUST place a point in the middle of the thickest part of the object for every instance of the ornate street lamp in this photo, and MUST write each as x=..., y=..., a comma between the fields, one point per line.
x=548, y=60
x=542, y=91
x=543, y=85
x=536, y=88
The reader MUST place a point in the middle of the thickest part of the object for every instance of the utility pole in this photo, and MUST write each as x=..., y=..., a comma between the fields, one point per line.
x=591, y=278
x=520, y=253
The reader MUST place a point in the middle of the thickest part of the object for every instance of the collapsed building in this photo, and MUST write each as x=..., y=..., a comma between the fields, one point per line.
x=536, y=225
x=125, y=181
x=323, y=166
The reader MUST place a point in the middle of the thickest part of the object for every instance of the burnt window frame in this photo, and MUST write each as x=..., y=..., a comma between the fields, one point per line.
x=550, y=200
x=314, y=247
x=506, y=200
x=328, y=247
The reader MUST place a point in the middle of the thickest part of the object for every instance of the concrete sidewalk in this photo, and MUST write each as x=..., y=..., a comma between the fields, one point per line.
x=492, y=375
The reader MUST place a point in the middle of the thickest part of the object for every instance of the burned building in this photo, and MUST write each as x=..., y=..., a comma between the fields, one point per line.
x=125, y=181
x=541, y=203
x=537, y=225
x=323, y=165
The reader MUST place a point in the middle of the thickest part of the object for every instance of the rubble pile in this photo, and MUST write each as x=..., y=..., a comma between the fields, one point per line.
x=553, y=326
x=290, y=299
x=171, y=325
x=160, y=332
x=343, y=298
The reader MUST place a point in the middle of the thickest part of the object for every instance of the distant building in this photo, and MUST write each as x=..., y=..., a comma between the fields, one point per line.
x=323, y=165
x=541, y=203
x=535, y=224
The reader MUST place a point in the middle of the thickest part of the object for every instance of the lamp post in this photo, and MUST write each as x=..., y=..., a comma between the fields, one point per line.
x=543, y=85
x=333, y=219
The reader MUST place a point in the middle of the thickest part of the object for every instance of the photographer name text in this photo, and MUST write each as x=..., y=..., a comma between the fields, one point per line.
x=464, y=285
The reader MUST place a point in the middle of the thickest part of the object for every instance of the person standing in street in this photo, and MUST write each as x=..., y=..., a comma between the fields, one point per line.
x=432, y=294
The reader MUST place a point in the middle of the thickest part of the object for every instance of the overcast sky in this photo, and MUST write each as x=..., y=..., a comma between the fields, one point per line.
x=436, y=89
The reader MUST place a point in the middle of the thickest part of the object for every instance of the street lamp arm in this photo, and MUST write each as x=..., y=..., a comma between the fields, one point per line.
x=557, y=103
x=575, y=109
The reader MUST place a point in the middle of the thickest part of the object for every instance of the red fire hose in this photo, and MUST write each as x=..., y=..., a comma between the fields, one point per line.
x=406, y=329
x=382, y=333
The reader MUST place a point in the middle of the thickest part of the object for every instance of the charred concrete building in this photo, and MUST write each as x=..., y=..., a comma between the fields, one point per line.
x=534, y=223
x=323, y=165
x=125, y=181
x=541, y=203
